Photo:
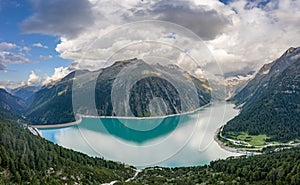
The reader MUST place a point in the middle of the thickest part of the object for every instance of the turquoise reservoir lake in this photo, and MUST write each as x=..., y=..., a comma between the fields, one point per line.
x=179, y=140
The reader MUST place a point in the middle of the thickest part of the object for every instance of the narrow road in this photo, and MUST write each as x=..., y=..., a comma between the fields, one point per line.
x=128, y=180
x=111, y=183
x=136, y=174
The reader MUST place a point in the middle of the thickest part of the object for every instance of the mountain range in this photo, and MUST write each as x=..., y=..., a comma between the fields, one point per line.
x=152, y=90
x=270, y=102
x=25, y=92
x=269, y=105
x=11, y=106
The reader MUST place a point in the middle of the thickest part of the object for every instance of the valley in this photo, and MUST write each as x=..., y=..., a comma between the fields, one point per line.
x=150, y=92
x=170, y=90
x=269, y=106
x=209, y=139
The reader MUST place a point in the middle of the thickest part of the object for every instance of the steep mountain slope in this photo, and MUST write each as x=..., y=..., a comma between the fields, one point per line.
x=271, y=101
x=265, y=76
x=11, y=106
x=235, y=84
x=156, y=90
x=127, y=88
x=25, y=92
x=29, y=159
x=52, y=103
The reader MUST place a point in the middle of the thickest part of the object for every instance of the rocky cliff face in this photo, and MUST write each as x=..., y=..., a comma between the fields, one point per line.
x=130, y=88
x=140, y=89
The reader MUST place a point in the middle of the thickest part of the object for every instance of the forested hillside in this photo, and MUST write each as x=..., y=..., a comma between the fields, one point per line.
x=271, y=101
x=26, y=158
x=274, y=168
x=10, y=106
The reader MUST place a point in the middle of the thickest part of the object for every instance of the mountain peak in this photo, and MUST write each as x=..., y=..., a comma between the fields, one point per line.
x=291, y=50
x=270, y=102
x=267, y=74
x=3, y=90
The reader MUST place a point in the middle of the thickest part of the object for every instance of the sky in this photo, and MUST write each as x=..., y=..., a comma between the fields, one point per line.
x=42, y=41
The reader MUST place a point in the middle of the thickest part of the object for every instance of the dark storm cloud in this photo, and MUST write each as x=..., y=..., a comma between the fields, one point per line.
x=59, y=17
x=207, y=24
x=69, y=18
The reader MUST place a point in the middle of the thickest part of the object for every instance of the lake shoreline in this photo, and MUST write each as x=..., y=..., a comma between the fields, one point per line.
x=217, y=107
x=81, y=116
x=231, y=149
x=60, y=125
x=247, y=151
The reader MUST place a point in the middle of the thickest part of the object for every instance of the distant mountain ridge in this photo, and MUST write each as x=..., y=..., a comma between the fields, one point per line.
x=152, y=95
x=11, y=106
x=271, y=101
x=265, y=76
x=25, y=92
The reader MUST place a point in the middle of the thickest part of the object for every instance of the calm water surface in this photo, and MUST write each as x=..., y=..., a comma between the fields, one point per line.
x=181, y=140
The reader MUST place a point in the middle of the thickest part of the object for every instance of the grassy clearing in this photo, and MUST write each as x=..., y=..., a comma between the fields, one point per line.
x=254, y=140
x=257, y=143
x=258, y=140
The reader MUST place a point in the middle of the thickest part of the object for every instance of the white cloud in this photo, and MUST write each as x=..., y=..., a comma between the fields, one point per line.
x=43, y=57
x=107, y=15
x=12, y=58
x=25, y=48
x=33, y=79
x=242, y=35
x=11, y=84
x=259, y=34
x=59, y=73
x=39, y=45
x=7, y=46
